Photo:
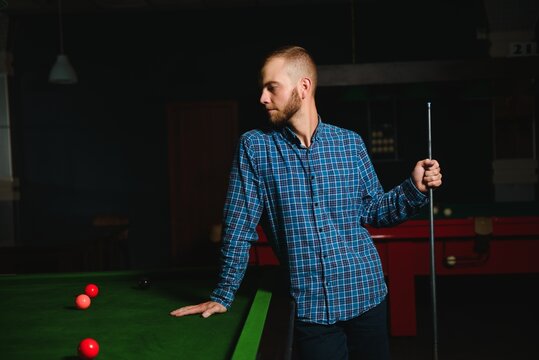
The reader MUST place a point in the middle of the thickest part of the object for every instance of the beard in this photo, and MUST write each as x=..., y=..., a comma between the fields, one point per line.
x=280, y=118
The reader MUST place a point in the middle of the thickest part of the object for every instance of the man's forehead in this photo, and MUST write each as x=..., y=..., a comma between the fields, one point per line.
x=275, y=70
x=273, y=66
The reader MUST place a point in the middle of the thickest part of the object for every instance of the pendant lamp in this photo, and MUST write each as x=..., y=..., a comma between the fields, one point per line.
x=62, y=72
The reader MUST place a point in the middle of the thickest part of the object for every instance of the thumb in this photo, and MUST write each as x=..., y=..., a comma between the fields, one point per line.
x=206, y=314
x=427, y=162
x=214, y=308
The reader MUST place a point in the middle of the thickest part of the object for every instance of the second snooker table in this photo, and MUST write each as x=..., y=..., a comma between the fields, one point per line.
x=469, y=239
x=39, y=319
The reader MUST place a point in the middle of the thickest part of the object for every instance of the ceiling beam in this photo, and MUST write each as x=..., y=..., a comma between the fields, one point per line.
x=427, y=71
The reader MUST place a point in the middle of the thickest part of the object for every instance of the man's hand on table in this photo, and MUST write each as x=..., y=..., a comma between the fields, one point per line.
x=207, y=309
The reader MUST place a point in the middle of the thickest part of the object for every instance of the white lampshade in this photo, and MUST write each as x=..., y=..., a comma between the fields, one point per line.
x=62, y=72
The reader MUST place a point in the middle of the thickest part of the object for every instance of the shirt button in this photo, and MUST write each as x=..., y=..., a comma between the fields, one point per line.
x=320, y=229
x=315, y=204
x=312, y=177
x=328, y=283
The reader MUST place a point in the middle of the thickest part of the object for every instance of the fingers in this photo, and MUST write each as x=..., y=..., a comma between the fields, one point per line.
x=206, y=309
x=188, y=310
x=432, y=178
x=432, y=175
x=427, y=174
x=433, y=181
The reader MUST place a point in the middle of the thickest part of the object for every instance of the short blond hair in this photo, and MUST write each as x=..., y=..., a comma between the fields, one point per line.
x=298, y=59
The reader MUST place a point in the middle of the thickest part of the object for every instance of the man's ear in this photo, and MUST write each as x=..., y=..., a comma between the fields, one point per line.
x=305, y=87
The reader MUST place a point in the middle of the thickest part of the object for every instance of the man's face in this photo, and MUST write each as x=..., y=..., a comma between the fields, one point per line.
x=279, y=95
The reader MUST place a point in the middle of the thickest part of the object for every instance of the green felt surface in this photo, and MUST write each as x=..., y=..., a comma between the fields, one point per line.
x=39, y=320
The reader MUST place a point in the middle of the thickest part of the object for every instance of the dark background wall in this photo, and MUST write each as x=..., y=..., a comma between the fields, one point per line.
x=100, y=146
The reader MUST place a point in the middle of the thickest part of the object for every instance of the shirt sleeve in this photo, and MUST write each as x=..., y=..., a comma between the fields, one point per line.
x=242, y=212
x=389, y=208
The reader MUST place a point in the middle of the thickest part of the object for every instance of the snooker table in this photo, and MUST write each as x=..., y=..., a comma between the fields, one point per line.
x=39, y=319
x=471, y=239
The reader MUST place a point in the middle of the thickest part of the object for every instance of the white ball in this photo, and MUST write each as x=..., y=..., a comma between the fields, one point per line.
x=451, y=260
x=448, y=211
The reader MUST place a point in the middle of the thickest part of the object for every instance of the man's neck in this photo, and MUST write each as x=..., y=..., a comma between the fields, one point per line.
x=304, y=125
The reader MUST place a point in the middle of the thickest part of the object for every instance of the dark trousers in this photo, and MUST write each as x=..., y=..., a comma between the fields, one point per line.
x=364, y=337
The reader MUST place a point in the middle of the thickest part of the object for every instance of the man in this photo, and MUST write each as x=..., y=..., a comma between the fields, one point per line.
x=315, y=187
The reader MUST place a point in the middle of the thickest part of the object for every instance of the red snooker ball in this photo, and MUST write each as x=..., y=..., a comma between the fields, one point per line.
x=91, y=290
x=82, y=301
x=88, y=348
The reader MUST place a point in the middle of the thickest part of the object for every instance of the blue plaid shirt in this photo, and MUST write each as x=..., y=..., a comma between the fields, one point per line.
x=315, y=201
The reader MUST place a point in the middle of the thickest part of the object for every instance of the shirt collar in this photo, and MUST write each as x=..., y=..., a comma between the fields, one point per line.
x=289, y=134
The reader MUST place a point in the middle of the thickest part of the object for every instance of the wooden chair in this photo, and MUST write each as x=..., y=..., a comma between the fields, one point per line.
x=111, y=243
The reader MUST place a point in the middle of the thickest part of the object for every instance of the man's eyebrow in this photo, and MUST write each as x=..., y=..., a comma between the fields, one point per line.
x=270, y=83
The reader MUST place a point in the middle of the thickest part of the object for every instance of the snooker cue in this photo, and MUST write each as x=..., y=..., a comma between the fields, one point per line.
x=432, y=258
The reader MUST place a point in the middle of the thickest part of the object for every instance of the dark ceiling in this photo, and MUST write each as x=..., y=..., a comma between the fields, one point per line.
x=40, y=6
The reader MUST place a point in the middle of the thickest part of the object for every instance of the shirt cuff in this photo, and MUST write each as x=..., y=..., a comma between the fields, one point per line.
x=220, y=296
x=412, y=194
